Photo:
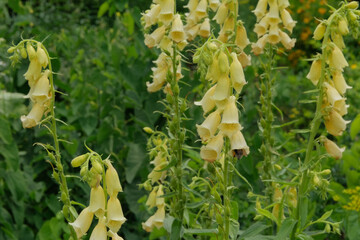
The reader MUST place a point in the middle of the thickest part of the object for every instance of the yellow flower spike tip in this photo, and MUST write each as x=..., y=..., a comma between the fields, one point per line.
x=40, y=94
x=30, y=51
x=222, y=90
x=212, y=150
x=151, y=201
x=273, y=13
x=332, y=94
x=315, y=72
x=34, y=117
x=201, y=9
x=335, y=124
x=286, y=41
x=214, y=4
x=258, y=47
x=237, y=74
x=82, y=223
x=241, y=36
x=34, y=72
x=41, y=56
x=208, y=128
x=152, y=16
x=177, y=33
x=336, y=59
x=167, y=11
x=319, y=31
x=207, y=103
x=97, y=201
x=159, y=196
x=274, y=36
x=261, y=27
x=238, y=145
x=260, y=9
x=287, y=20
x=332, y=149
x=114, y=236
x=230, y=118
x=112, y=180
x=339, y=82
x=205, y=28
x=115, y=216
x=99, y=232
x=221, y=13
x=151, y=40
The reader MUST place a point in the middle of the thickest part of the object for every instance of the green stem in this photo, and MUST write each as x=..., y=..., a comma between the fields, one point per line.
x=226, y=192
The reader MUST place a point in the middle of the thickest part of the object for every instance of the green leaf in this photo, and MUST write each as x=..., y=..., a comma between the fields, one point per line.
x=285, y=229
x=175, y=229
x=103, y=9
x=203, y=232
x=355, y=127
x=267, y=214
x=254, y=230
x=134, y=161
x=325, y=216
x=129, y=22
x=234, y=228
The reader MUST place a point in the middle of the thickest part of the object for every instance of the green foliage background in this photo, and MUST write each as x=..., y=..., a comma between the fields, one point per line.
x=102, y=67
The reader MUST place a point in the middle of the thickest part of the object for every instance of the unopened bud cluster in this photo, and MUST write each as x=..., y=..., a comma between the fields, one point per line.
x=104, y=203
x=37, y=77
x=272, y=16
x=333, y=83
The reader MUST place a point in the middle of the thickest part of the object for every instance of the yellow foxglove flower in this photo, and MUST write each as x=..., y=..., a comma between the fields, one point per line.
x=335, y=124
x=159, y=159
x=339, y=82
x=30, y=51
x=151, y=40
x=237, y=74
x=151, y=16
x=205, y=28
x=212, y=150
x=200, y=11
x=156, y=173
x=230, y=118
x=208, y=128
x=192, y=4
x=261, y=27
x=228, y=27
x=258, y=47
x=41, y=56
x=193, y=32
x=274, y=36
x=244, y=59
x=315, y=72
x=332, y=149
x=207, y=103
x=214, y=4
x=223, y=62
x=341, y=107
x=34, y=117
x=40, y=94
x=277, y=195
x=167, y=11
x=181, y=45
x=332, y=94
x=278, y=212
x=177, y=33
x=221, y=14
x=288, y=22
x=260, y=9
x=213, y=72
x=337, y=59
x=34, y=72
x=112, y=180
x=148, y=226
x=292, y=197
x=222, y=90
x=338, y=40
x=320, y=31
x=97, y=201
x=151, y=201
x=165, y=44
x=283, y=4
x=286, y=41
x=241, y=36
x=114, y=236
x=99, y=232
x=343, y=27
x=159, y=196
x=115, y=216
x=238, y=143
x=273, y=13
x=159, y=217
x=82, y=223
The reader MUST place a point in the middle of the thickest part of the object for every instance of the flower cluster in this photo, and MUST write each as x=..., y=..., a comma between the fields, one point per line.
x=270, y=14
x=224, y=120
x=169, y=32
x=155, y=199
x=107, y=210
x=38, y=80
x=329, y=73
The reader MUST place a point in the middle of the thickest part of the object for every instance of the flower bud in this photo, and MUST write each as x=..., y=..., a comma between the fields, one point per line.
x=237, y=74
x=23, y=52
x=352, y=5
x=30, y=51
x=79, y=160
x=11, y=49
x=315, y=72
x=333, y=150
x=223, y=62
x=343, y=27
x=159, y=196
x=148, y=130
x=320, y=31
x=41, y=55
x=325, y=172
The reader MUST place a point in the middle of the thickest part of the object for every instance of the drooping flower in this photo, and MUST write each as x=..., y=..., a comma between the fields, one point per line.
x=82, y=223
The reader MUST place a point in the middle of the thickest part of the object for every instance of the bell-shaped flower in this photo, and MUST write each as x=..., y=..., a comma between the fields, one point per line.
x=337, y=59
x=335, y=124
x=228, y=26
x=157, y=220
x=207, y=103
x=244, y=59
x=223, y=62
x=112, y=180
x=260, y=9
x=40, y=93
x=193, y=32
x=156, y=174
x=205, y=28
x=192, y=4
x=286, y=41
x=151, y=201
x=283, y=4
x=338, y=40
x=151, y=40
x=332, y=94
x=167, y=11
x=200, y=11
x=41, y=56
x=177, y=33
x=320, y=31
x=287, y=20
x=213, y=72
x=339, y=82
x=208, y=128
x=159, y=196
x=148, y=226
x=341, y=107
x=315, y=72
x=258, y=47
x=82, y=223
x=230, y=118
x=261, y=27
x=34, y=72
x=97, y=201
x=212, y=150
x=214, y=4
x=237, y=74
x=30, y=51
x=274, y=36
x=222, y=89
x=34, y=116
x=238, y=144
x=241, y=36
x=115, y=216
x=114, y=236
x=99, y=232
x=273, y=13
x=332, y=149
x=151, y=16
x=221, y=13
x=343, y=26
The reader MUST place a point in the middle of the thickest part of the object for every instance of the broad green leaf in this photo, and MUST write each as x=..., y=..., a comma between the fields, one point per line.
x=355, y=127
x=103, y=9
x=267, y=214
x=175, y=229
x=253, y=230
x=286, y=229
x=134, y=161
